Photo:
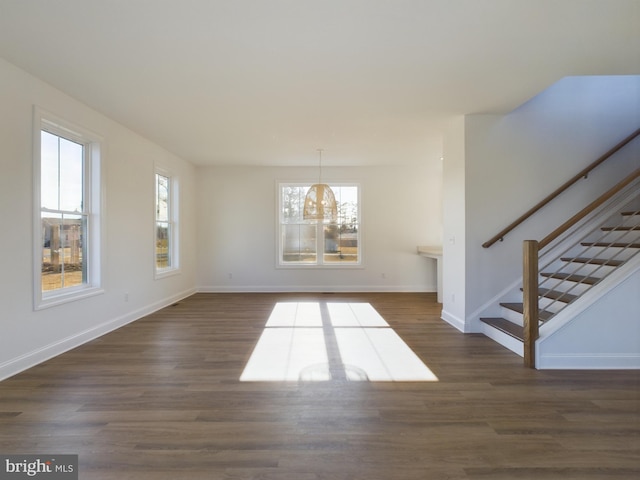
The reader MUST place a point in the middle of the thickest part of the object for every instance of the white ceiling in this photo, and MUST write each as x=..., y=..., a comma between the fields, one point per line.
x=267, y=82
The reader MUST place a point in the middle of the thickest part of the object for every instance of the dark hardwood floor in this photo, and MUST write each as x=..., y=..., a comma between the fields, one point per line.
x=161, y=399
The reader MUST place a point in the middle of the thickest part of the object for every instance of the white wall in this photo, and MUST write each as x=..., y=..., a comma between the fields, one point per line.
x=513, y=161
x=27, y=336
x=401, y=209
x=608, y=331
x=454, y=224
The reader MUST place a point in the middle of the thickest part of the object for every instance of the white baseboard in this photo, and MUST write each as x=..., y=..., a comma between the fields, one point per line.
x=315, y=288
x=454, y=321
x=589, y=362
x=30, y=359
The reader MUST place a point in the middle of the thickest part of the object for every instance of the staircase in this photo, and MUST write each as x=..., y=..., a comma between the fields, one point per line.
x=572, y=270
x=589, y=266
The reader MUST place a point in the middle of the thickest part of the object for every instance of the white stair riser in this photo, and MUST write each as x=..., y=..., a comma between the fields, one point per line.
x=511, y=315
x=507, y=341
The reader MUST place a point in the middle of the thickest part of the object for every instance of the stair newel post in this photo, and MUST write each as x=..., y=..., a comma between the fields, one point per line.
x=530, y=300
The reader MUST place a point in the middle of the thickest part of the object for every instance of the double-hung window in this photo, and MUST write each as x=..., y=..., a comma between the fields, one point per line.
x=319, y=243
x=67, y=226
x=166, y=223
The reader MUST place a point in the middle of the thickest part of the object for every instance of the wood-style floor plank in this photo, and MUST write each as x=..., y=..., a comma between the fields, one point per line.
x=161, y=399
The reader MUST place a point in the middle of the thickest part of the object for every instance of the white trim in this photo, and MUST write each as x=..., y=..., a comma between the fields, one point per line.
x=69, y=295
x=315, y=289
x=453, y=320
x=94, y=178
x=318, y=265
x=588, y=362
x=324, y=266
x=35, y=357
x=166, y=272
x=174, y=222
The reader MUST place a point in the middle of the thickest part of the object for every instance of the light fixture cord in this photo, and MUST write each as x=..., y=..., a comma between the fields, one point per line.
x=320, y=167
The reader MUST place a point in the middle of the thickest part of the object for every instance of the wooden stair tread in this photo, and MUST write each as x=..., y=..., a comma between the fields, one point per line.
x=543, y=315
x=557, y=295
x=505, y=326
x=594, y=261
x=630, y=213
x=571, y=277
x=620, y=228
x=613, y=245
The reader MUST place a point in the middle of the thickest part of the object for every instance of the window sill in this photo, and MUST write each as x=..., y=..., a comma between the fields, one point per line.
x=320, y=267
x=54, y=299
x=167, y=272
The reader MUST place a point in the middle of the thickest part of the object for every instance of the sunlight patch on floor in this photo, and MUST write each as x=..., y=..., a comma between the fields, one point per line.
x=310, y=341
x=355, y=315
x=283, y=353
x=382, y=354
x=295, y=314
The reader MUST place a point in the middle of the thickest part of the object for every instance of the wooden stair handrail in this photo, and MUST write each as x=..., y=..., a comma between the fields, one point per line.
x=589, y=208
x=582, y=174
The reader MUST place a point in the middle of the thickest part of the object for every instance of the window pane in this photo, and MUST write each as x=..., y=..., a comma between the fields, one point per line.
x=165, y=224
x=162, y=198
x=63, y=251
x=72, y=250
x=344, y=236
x=49, y=171
x=340, y=244
x=51, y=261
x=71, y=160
x=163, y=235
x=293, y=203
x=347, y=199
x=299, y=243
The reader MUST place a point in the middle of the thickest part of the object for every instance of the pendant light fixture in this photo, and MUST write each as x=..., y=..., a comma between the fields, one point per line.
x=320, y=202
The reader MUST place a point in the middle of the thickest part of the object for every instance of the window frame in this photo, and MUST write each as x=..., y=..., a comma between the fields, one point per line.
x=319, y=263
x=93, y=178
x=173, y=204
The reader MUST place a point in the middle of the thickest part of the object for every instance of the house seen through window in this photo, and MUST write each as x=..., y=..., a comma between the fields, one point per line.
x=63, y=214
